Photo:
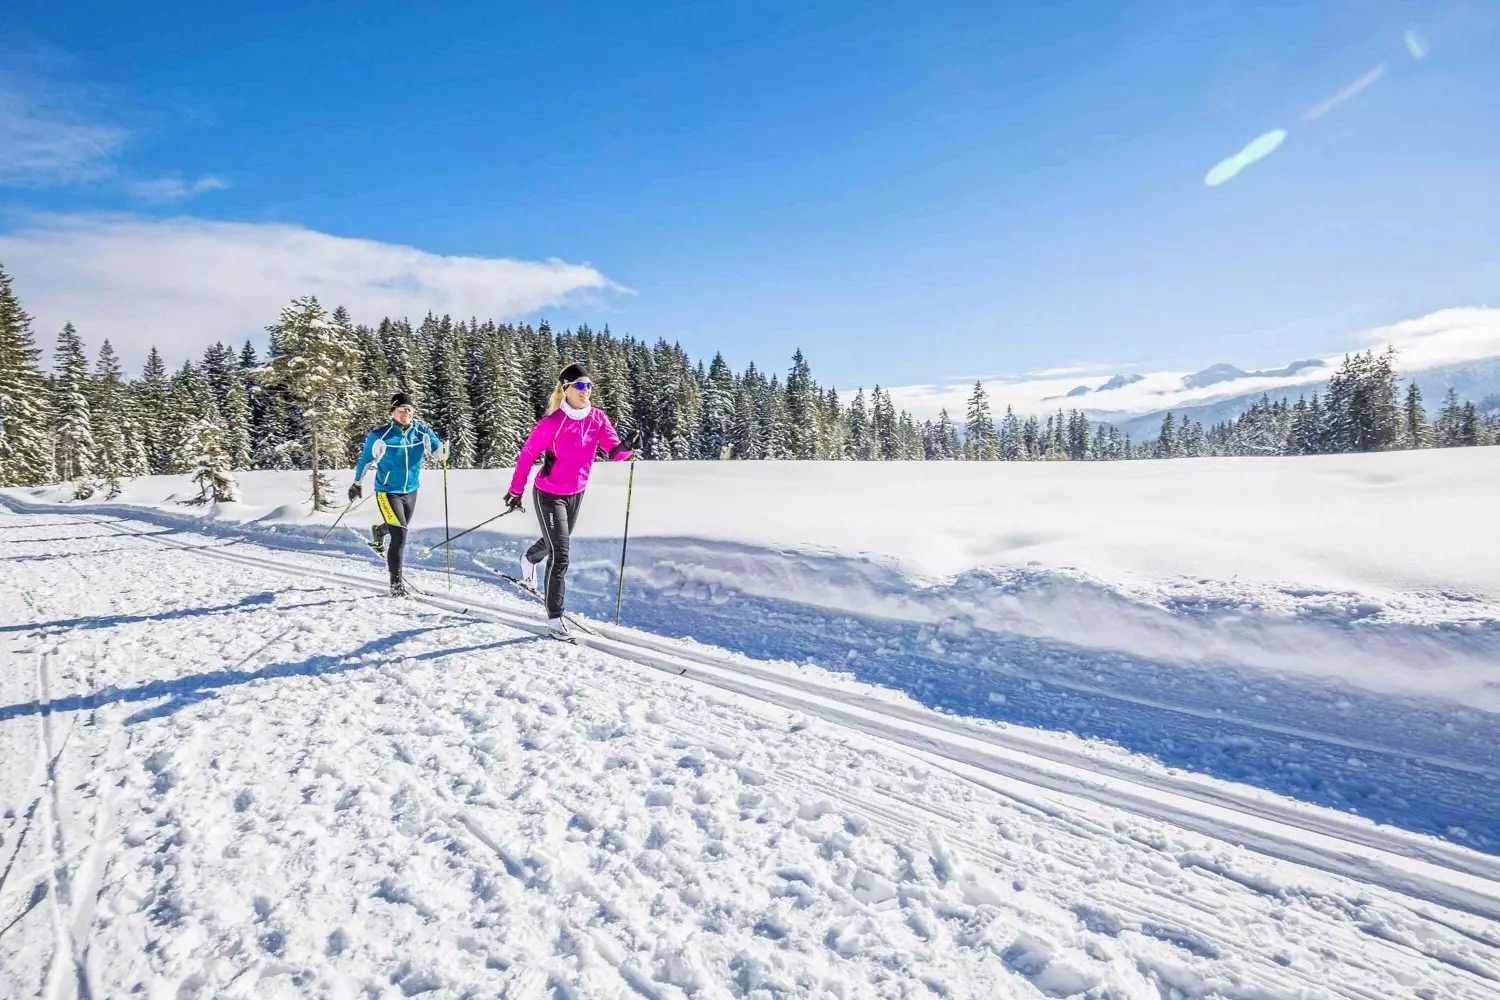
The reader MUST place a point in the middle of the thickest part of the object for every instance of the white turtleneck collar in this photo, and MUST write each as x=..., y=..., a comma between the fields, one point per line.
x=575, y=414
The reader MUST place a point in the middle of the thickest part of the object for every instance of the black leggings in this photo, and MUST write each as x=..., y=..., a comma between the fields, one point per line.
x=557, y=515
x=397, y=510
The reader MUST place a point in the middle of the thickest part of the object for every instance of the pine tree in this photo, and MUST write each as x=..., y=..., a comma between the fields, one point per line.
x=716, y=435
x=26, y=451
x=1415, y=418
x=1449, y=429
x=402, y=365
x=316, y=367
x=675, y=410
x=108, y=410
x=219, y=364
x=188, y=400
x=1259, y=431
x=445, y=395
x=772, y=422
x=495, y=397
x=747, y=435
x=150, y=393
x=859, y=436
x=238, y=422
x=72, y=424
x=544, y=368
x=1194, y=440
x=1078, y=436
x=1009, y=444
x=1166, y=441
x=981, y=444
x=203, y=454
x=833, y=436
x=1306, y=420
x=1469, y=426
x=1057, y=443
x=887, y=444
x=1031, y=439
x=909, y=445
x=944, y=446
x=801, y=401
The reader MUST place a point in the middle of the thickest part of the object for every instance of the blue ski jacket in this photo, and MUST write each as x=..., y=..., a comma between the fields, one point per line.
x=397, y=455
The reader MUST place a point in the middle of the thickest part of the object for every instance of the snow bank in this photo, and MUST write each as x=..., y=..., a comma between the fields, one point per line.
x=1377, y=571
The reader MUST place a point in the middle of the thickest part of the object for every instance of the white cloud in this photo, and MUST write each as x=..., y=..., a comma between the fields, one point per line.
x=183, y=283
x=1446, y=337
x=42, y=145
x=1450, y=336
x=174, y=188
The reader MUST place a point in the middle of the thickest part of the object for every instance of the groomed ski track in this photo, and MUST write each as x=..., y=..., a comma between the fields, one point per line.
x=1053, y=777
x=1320, y=838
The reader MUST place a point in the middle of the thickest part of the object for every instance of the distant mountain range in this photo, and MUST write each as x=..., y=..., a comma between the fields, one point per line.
x=1213, y=375
x=1229, y=373
x=1477, y=381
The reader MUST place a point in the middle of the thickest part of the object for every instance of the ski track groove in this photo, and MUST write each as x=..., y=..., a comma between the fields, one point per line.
x=71, y=917
x=796, y=783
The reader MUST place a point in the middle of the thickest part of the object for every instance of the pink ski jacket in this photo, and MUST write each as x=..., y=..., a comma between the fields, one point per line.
x=572, y=444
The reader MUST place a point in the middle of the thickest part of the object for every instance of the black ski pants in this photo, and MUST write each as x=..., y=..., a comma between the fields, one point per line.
x=557, y=515
x=396, y=509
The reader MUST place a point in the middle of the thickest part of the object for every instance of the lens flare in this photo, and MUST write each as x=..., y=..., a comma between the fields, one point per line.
x=1416, y=45
x=1345, y=94
x=1259, y=148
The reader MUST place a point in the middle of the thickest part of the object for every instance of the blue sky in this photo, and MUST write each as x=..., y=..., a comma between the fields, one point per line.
x=911, y=192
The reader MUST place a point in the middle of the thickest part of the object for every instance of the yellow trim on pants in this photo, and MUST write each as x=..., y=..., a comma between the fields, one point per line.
x=385, y=509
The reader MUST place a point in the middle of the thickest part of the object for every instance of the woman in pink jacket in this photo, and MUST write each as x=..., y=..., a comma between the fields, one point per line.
x=565, y=440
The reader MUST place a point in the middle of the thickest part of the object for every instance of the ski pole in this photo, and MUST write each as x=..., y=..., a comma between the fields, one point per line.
x=447, y=542
x=347, y=508
x=625, y=541
x=508, y=510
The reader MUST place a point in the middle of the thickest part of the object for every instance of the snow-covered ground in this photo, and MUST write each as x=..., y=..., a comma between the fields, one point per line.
x=1326, y=628
x=238, y=771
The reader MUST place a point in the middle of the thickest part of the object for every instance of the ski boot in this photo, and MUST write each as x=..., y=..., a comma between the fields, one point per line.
x=527, y=575
x=377, y=538
x=557, y=628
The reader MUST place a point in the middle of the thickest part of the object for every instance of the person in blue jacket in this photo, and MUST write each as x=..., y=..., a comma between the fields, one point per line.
x=397, y=449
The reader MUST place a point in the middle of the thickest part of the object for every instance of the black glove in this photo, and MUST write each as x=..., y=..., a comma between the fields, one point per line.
x=355, y=492
x=513, y=500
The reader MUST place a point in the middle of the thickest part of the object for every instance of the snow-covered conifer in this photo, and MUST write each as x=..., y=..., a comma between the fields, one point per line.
x=72, y=425
x=316, y=367
x=716, y=436
x=981, y=443
x=26, y=452
x=858, y=445
x=801, y=402
x=110, y=414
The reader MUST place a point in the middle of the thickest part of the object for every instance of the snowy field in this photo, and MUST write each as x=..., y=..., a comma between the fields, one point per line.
x=965, y=731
